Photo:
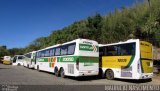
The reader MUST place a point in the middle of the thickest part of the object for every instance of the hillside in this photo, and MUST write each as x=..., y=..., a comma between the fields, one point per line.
x=140, y=21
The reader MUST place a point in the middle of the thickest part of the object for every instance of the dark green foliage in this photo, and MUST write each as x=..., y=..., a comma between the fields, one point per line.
x=16, y=51
x=3, y=51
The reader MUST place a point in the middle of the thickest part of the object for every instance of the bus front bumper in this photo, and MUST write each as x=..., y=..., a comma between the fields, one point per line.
x=6, y=62
x=146, y=76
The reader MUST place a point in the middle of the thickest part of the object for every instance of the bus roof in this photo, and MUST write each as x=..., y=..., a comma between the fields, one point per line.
x=79, y=39
x=128, y=41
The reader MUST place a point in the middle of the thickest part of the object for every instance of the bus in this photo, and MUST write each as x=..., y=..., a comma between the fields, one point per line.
x=7, y=60
x=18, y=60
x=131, y=59
x=29, y=60
x=79, y=57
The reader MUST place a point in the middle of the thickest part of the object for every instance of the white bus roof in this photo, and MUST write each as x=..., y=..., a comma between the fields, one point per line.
x=67, y=43
x=128, y=41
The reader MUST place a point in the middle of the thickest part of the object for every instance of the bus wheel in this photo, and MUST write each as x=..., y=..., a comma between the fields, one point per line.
x=109, y=74
x=27, y=65
x=56, y=72
x=19, y=64
x=62, y=73
x=38, y=67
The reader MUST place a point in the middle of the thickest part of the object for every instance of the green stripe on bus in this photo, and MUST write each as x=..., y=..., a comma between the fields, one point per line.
x=81, y=59
x=43, y=60
x=130, y=62
x=67, y=59
x=141, y=66
x=89, y=59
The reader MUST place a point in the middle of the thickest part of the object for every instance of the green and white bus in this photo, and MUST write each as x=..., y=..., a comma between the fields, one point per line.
x=79, y=57
x=29, y=60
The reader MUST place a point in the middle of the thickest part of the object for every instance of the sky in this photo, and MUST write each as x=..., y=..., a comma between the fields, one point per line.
x=23, y=21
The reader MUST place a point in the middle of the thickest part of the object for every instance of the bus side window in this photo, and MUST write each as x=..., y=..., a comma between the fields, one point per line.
x=42, y=53
x=47, y=54
x=29, y=55
x=64, y=50
x=126, y=49
x=20, y=57
x=122, y=50
x=52, y=52
x=101, y=51
x=111, y=51
x=133, y=49
x=71, y=49
x=39, y=54
x=57, y=51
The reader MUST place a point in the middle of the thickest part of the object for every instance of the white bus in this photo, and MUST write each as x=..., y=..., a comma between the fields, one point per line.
x=29, y=60
x=131, y=59
x=18, y=60
x=6, y=60
x=79, y=57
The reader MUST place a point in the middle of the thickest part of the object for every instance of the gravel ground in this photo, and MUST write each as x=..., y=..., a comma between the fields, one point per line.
x=33, y=80
x=19, y=75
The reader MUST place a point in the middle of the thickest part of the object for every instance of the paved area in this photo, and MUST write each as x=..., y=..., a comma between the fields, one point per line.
x=19, y=75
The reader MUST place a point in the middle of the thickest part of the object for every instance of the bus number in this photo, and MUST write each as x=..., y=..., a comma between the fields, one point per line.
x=122, y=60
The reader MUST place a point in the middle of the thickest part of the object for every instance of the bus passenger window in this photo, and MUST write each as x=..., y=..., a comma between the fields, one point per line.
x=101, y=51
x=71, y=49
x=47, y=53
x=20, y=57
x=57, y=51
x=126, y=49
x=51, y=52
x=111, y=51
x=64, y=50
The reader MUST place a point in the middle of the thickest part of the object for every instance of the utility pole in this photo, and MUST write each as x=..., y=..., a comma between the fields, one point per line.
x=149, y=3
x=149, y=31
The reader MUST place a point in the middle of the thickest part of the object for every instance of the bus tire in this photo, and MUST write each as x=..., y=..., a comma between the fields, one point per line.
x=19, y=64
x=27, y=65
x=62, y=73
x=109, y=74
x=56, y=71
x=38, y=68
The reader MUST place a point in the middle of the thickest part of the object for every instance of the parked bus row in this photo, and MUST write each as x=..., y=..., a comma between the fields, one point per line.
x=131, y=59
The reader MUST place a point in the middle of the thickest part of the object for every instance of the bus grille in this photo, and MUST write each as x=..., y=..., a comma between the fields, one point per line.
x=71, y=68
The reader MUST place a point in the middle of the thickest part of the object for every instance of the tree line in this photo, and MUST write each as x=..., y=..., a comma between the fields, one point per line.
x=139, y=21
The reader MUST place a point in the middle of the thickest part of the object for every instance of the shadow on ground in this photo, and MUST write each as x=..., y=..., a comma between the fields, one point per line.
x=134, y=81
x=4, y=68
x=85, y=78
x=91, y=78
